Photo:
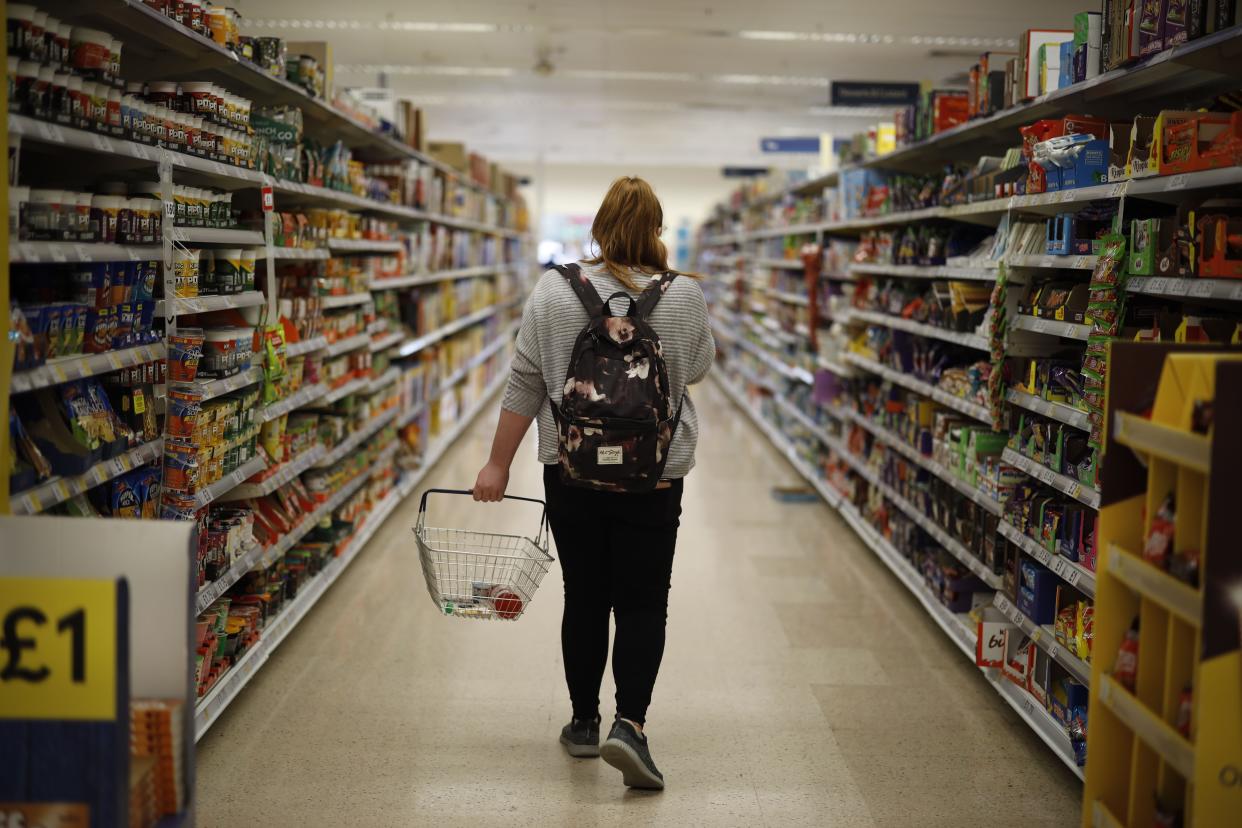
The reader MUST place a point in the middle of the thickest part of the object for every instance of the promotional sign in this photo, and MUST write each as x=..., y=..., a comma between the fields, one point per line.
x=744, y=172
x=810, y=144
x=873, y=93
x=58, y=649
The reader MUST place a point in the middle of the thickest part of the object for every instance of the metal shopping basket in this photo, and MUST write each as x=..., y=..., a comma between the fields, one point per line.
x=481, y=574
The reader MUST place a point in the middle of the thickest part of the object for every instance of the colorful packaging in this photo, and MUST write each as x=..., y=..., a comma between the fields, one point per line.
x=185, y=349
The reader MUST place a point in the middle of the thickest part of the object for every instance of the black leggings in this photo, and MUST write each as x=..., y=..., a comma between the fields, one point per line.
x=616, y=553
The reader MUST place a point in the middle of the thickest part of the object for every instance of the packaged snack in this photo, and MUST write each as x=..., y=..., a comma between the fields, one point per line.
x=185, y=349
x=1159, y=542
x=181, y=472
x=1125, y=668
x=1085, y=633
x=184, y=408
x=1185, y=705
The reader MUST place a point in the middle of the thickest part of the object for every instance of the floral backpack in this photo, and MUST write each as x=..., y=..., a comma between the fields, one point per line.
x=615, y=419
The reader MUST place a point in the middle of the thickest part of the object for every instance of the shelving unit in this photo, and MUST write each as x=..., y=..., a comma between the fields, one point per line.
x=153, y=46
x=744, y=249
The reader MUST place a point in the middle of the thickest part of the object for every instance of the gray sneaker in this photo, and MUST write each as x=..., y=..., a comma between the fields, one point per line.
x=626, y=750
x=581, y=738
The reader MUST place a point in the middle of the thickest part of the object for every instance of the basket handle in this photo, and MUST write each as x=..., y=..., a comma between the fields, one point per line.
x=540, y=537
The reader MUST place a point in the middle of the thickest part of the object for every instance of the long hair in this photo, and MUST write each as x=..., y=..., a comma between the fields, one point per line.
x=627, y=229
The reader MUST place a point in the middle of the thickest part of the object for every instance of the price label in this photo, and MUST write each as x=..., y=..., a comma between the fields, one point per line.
x=1179, y=287
x=1117, y=189
x=1049, y=261
x=58, y=644
x=1054, y=650
x=31, y=504
x=101, y=143
x=1236, y=293
x=83, y=252
x=140, y=151
x=62, y=491
x=1073, y=490
x=1071, y=575
x=1069, y=195
x=1157, y=285
x=58, y=254
x=49, y=132
x=1200, y=288
x=1176, y=182
x=114, y=362
x=1080, y=262
x=57, y=372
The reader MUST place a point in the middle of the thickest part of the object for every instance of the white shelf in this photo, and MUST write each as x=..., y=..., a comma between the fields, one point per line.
x=784, y=264
x=47, y=251
x=352, y=343
x=966, y=407
x=1051, y=327
x=306, y=346
x=960, y=629
x=1058, y=411
x=208, y=593
x=475, y=361
x=305, y=394
x=59, y=489
x=1062, y=483
x=969, y=340
x=1074, y=574
x=282, y=475
x=207, y=304
x=788, y=298
x=414, y=279
x=226, y=484
x=355, y=439
x=914, y=455
x=213, y=235
x=1035, y=261
x=210, y=389
x=816, y=429
x=977, y=274
x=383, y=380
x=789, y=372
x=365, y=245
x=1226, y=290
x=300, y=253
x=344, y=300
x=838, y=368
x=1045, y=638
x=417, y=344
x=355, y=386
x=67, y=369
x=230, y=685
x=387, y=341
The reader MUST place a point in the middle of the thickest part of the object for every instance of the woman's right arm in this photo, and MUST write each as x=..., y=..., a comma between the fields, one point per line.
x=524, y=396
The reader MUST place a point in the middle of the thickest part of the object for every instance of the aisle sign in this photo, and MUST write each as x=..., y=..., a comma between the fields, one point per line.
x=873, y=93
x=789, y=144
x=58, y=642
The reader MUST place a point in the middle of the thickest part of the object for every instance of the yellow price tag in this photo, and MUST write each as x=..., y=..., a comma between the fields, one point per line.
x=57, y=649
x=140, y=402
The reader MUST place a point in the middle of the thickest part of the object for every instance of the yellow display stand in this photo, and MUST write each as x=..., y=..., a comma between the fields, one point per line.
x=1140, y=768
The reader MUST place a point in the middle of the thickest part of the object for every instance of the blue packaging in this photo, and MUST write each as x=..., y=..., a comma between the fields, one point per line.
x=1037, y=592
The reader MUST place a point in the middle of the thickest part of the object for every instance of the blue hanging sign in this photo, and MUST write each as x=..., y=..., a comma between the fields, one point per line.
x=789, y=144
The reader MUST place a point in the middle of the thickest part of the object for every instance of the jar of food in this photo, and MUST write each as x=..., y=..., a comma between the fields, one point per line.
x=51, y=52
x=90, y=53
x=79, y=105
x=226, y=270
x=98, y=93
x=197, y=23
x=63, y=32
x=162, y=93
x=59, y=105
x=37, y=46
x=150, y=207
x=218, y=24
x=26, y=85
x=41, y=93
x=185, y=272
x=43, y=215
x=82, y=210
x=105, y=212
x=114, y=61
x=248, y=259
x=19, y=197
x=19, y=22
x=124, y=221
x=219, y=353
x=114, y=120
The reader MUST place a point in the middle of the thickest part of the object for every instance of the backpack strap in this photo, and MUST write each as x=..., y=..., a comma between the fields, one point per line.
x=654, y=292
x=582, y=286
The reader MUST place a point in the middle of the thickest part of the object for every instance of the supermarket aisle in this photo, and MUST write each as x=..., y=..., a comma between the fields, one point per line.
x=802, y=685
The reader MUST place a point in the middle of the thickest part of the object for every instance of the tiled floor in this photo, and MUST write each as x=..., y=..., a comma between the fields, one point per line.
x=802, y=685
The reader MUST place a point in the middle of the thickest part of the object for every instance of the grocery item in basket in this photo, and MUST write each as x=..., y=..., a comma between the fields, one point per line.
x=504, y=601
x=185, y=349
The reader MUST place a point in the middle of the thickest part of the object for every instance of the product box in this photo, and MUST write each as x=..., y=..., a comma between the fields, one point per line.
x=1146, y=23
x=1066, y=66
x=992, y=627
x=1175, y=22
x=1090, y=166
x=1143, y=159
x=1037, y=592
x=321, y=51
x=1088, y=29
x=1017, y=665
x=1029, y=50
x=1190, y=142
x=450, y=153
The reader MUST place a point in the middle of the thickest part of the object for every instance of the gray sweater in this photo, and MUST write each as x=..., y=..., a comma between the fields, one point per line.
x=554, y=317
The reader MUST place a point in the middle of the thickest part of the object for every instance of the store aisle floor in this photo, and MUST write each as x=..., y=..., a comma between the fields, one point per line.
x=802, y=685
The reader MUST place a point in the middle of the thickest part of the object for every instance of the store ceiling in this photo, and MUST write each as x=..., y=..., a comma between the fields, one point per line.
x=646, y=82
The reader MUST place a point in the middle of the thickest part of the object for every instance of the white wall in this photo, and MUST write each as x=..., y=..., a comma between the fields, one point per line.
x=577, y=189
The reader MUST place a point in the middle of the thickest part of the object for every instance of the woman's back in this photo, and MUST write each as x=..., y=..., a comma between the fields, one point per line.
x=552, y=320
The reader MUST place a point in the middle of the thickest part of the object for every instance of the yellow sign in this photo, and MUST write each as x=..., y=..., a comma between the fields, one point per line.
x=57, y=649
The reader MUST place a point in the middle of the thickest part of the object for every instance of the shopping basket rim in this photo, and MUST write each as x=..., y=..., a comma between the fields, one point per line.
x=419, y=530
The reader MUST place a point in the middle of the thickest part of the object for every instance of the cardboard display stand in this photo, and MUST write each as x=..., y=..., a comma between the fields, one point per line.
x=91, y=617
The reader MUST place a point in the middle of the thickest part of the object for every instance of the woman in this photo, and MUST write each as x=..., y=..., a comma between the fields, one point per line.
x=616, y=548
